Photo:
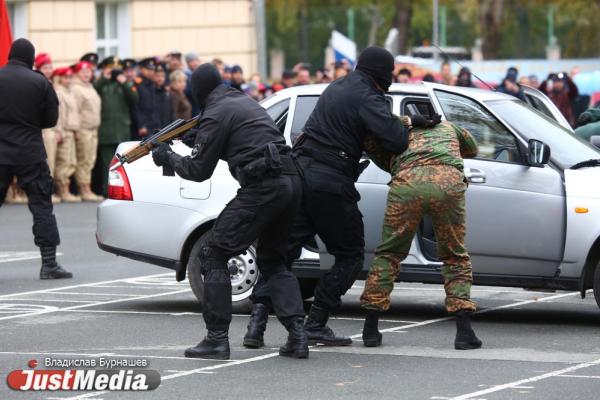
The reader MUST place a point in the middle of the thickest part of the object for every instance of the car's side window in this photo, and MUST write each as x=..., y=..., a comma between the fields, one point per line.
x=278, y=113
x=494, y=140
x=304, y=107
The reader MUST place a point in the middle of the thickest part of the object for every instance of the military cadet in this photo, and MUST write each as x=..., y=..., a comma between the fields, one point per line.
x=428, y=179
x=328, y=153
x=145, y=117
x=69, y=123
x=130, y=70
x=118, y=97
x=52, y=136
x=91, y=58
x=163, y=110
x=29, y=104
x=86, y=138
x=236, y=129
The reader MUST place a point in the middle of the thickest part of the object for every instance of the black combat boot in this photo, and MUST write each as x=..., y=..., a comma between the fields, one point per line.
x=254, y=338
x=214, y=346
x=465, y=336
x=318, y=332
x=50, y=268
x=297, y=343
x=371, y=335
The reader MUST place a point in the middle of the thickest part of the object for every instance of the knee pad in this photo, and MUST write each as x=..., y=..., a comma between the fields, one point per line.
x=212, y=259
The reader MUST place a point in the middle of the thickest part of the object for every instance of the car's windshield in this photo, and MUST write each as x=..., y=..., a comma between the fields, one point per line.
x=567, y=149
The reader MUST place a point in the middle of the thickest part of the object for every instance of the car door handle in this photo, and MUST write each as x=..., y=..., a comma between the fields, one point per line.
x=475, y=175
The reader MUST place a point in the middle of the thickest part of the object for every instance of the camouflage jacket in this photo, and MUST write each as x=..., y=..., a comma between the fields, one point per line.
x=444, y=144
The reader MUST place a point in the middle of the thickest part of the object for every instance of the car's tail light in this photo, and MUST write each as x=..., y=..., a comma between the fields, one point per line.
x=118, y=183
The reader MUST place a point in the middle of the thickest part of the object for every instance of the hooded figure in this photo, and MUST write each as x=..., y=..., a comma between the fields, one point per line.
x=464, y=78
x=204, y=80
x=378, y=63
x=22, y=50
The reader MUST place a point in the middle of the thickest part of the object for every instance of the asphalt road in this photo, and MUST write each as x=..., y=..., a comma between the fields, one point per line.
x=536, y=345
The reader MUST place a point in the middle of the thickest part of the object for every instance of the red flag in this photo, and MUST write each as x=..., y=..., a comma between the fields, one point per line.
x=5, y=34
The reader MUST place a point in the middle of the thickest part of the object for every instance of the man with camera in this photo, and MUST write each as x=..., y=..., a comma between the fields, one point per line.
x=118, y=97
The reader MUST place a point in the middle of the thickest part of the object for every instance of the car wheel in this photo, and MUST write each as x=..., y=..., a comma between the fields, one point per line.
x=242, y=281
x=597, y=285
x=307, y=287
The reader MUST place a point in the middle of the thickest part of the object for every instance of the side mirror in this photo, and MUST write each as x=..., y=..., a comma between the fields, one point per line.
x=538, y=153
x=595, y=140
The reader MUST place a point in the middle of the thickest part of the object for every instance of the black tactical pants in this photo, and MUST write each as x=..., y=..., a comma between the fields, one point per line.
x=37, y=183
x=329, y=208
x=266, y=211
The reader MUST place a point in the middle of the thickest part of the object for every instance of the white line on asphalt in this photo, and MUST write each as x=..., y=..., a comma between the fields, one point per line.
x=579, y=376
x=99, y=303
x=96, y=355
x=11, y=256
x=4, y=296
x=97, y=294
x=512, y=385
x=55, y=300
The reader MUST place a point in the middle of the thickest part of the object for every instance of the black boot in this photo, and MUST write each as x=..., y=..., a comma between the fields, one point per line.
x=297, y=343
x=319, y=333
x=371, y=335
x=50, y=268
x=465, y=336
x=254, y=338
x=214, y=346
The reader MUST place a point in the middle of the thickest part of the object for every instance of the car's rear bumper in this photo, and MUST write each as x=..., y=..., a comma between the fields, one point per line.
x=152, y=231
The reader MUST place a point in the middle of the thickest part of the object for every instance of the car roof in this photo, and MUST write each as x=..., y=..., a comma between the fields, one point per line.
x=421, y=88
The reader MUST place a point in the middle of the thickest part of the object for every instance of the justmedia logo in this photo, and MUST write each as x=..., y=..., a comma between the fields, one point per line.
x=82, y=379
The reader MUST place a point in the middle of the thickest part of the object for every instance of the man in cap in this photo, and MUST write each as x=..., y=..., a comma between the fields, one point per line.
x=118, y=98
x=328, y=155
x=236, y=129
x=146, y=97
x=130, y=69
x=29, y=104
x=91, y=58
x=562, y=91
x=510, y=86
x=237, y=77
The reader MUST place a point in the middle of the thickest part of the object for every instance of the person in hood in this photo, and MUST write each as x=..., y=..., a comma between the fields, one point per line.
x=236, y=129
x=561, y=89
x=510, y=86
x=328, y=153
x=29, y=104
x=464, y=78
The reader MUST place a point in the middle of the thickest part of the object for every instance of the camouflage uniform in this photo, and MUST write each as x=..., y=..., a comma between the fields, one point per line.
x=427, y=179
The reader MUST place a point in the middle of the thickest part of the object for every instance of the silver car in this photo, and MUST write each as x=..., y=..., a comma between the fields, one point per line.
x=533, y=221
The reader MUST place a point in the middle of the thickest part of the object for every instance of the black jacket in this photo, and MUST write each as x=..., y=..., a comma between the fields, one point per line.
x=28, y=104
x=233, y=128
x=153, y=108
x=348, y=110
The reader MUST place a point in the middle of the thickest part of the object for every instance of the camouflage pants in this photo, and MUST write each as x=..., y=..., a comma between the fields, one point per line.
x=438, y=191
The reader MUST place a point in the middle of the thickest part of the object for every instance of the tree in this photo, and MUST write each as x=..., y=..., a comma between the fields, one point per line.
x=490, y=21
x=402, y=21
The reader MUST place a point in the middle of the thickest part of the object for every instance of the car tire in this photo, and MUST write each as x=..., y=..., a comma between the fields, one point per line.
x=242, y=283
x=597, y=285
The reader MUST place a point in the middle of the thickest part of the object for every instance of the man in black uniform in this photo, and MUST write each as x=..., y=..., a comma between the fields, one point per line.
x=236, y=129
x=145, y=117
x=328, y=155
x=29, y=104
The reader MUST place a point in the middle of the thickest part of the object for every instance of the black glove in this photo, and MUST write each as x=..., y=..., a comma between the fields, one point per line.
x=189, y=138
x=583, y=119
x=419, y=121
x=161, y=153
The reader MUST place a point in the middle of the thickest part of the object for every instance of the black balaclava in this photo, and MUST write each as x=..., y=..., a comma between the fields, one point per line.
x=378, y=63
x=205, y=79
x=22, y=50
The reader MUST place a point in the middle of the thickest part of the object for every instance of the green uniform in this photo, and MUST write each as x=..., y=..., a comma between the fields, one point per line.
x=592, y=128
x=428, y=179
x=115, y=125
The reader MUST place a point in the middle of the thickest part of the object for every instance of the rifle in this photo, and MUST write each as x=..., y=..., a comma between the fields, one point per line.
x=172, y=131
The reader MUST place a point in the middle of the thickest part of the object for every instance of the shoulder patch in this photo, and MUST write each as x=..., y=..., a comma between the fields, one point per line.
x=195, y=151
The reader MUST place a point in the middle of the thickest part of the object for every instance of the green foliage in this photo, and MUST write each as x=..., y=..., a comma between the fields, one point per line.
x=523, y=25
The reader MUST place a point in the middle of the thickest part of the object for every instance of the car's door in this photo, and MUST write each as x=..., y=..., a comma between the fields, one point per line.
x=542, y=103
x=508, y=202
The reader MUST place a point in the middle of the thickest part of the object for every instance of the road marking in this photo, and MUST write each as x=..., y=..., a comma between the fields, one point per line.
x=97, y=294
x=92, y=284
x=11, y=256
x=55, y=300
x=579, y=376
x=98, y=303
x=512, y=385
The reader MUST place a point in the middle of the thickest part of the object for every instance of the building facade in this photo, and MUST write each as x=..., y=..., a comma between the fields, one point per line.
x=139, y=28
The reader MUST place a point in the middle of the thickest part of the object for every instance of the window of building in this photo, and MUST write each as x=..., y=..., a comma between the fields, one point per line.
x=112, y=29
x=17, y=15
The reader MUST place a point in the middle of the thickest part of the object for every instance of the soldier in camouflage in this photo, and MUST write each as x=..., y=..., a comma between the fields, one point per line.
x=427, y=179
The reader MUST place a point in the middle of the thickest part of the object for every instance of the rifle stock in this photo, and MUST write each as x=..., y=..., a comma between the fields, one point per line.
x=166, y=134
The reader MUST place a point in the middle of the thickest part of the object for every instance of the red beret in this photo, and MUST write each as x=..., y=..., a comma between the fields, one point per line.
x=83, y=64
x=64, y=71
x=42, y=59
